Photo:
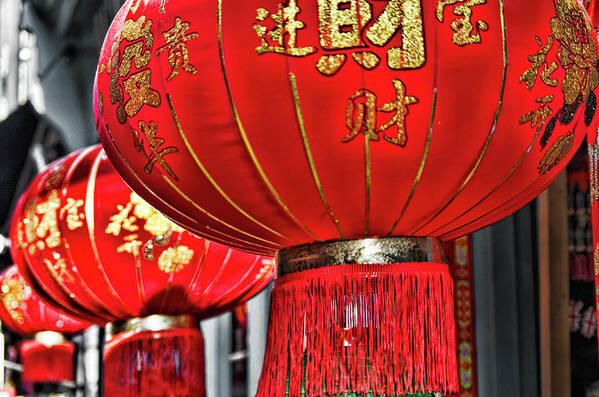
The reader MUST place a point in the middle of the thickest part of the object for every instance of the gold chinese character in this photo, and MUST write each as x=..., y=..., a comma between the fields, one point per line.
x=361, y=114
x=122, y=220
x=154, y=143
x=538, y=116
x=131, y=245
x=286, y=26
x=463, y=27
x=404, y=15
x=155, y=223
x=74, y=217
x=400, y=107
x=538, y=60
x=47, y=227
x=138, y=53
x=58, y=270
x=141, y=93
x=178, y=55
x=341, y=23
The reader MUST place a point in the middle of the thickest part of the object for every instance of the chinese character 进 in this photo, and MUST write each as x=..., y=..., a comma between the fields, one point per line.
x=286, y=26
x=176, y=44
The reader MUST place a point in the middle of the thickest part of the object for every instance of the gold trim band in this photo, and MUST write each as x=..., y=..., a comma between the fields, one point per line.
x=49, y=338
x=383, y=250
x=152, y=323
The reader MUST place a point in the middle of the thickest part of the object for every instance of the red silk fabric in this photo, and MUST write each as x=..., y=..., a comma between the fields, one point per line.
x=48, y=364
x=229, y=125
x=155, y=364
x=89, y=245
x=25, y=313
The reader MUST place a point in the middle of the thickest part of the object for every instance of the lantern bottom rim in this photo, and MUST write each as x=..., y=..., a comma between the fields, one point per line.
x=374, y=250
x=153, y=323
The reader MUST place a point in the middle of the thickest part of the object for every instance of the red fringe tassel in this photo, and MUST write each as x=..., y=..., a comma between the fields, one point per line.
x=385, y=329
x=166, y=363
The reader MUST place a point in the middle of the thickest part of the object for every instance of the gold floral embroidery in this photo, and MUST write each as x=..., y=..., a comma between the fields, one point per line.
x=578, y=50
x=556, y=153
x=174, y=259
x=128, y=218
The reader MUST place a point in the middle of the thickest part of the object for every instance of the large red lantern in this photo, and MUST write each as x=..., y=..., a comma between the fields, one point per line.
x=271, y=124
x=49, y=357
x=97, y=250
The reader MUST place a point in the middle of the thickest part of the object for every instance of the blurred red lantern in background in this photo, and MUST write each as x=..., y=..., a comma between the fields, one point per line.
x=96, y=250
x=268, y=125
x=49, y=357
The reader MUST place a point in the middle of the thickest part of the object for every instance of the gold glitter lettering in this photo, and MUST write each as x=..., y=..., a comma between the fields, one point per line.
x=539, y=60
x=154, y=143
x=368, y=60
x=286, y=26
x=407, y=16
x=138, y=88
x=134, y=52
x=463, y=27
x=47, y=228
x=122, y=220
x=361, y=114
x=131, y=245
x=538, y=116
x=341, y=22
x=330, y=64
x=176, y=44
x=74, y=217
x=58, y=269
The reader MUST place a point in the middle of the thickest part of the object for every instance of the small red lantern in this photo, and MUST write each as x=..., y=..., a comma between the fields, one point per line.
x=49, y=357
x=271, y=124
x=97, y=250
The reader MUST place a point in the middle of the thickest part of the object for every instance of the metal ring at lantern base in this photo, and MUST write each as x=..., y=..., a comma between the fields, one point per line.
x=49, y=338
x=154, y=323
x=383, y=250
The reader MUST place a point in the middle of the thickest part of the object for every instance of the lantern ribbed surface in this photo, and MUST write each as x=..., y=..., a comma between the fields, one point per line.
x=265, y=125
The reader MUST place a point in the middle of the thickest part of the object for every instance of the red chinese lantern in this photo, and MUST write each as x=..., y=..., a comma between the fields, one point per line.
x=97, y=250
x=282, y=125
x=49, y=357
